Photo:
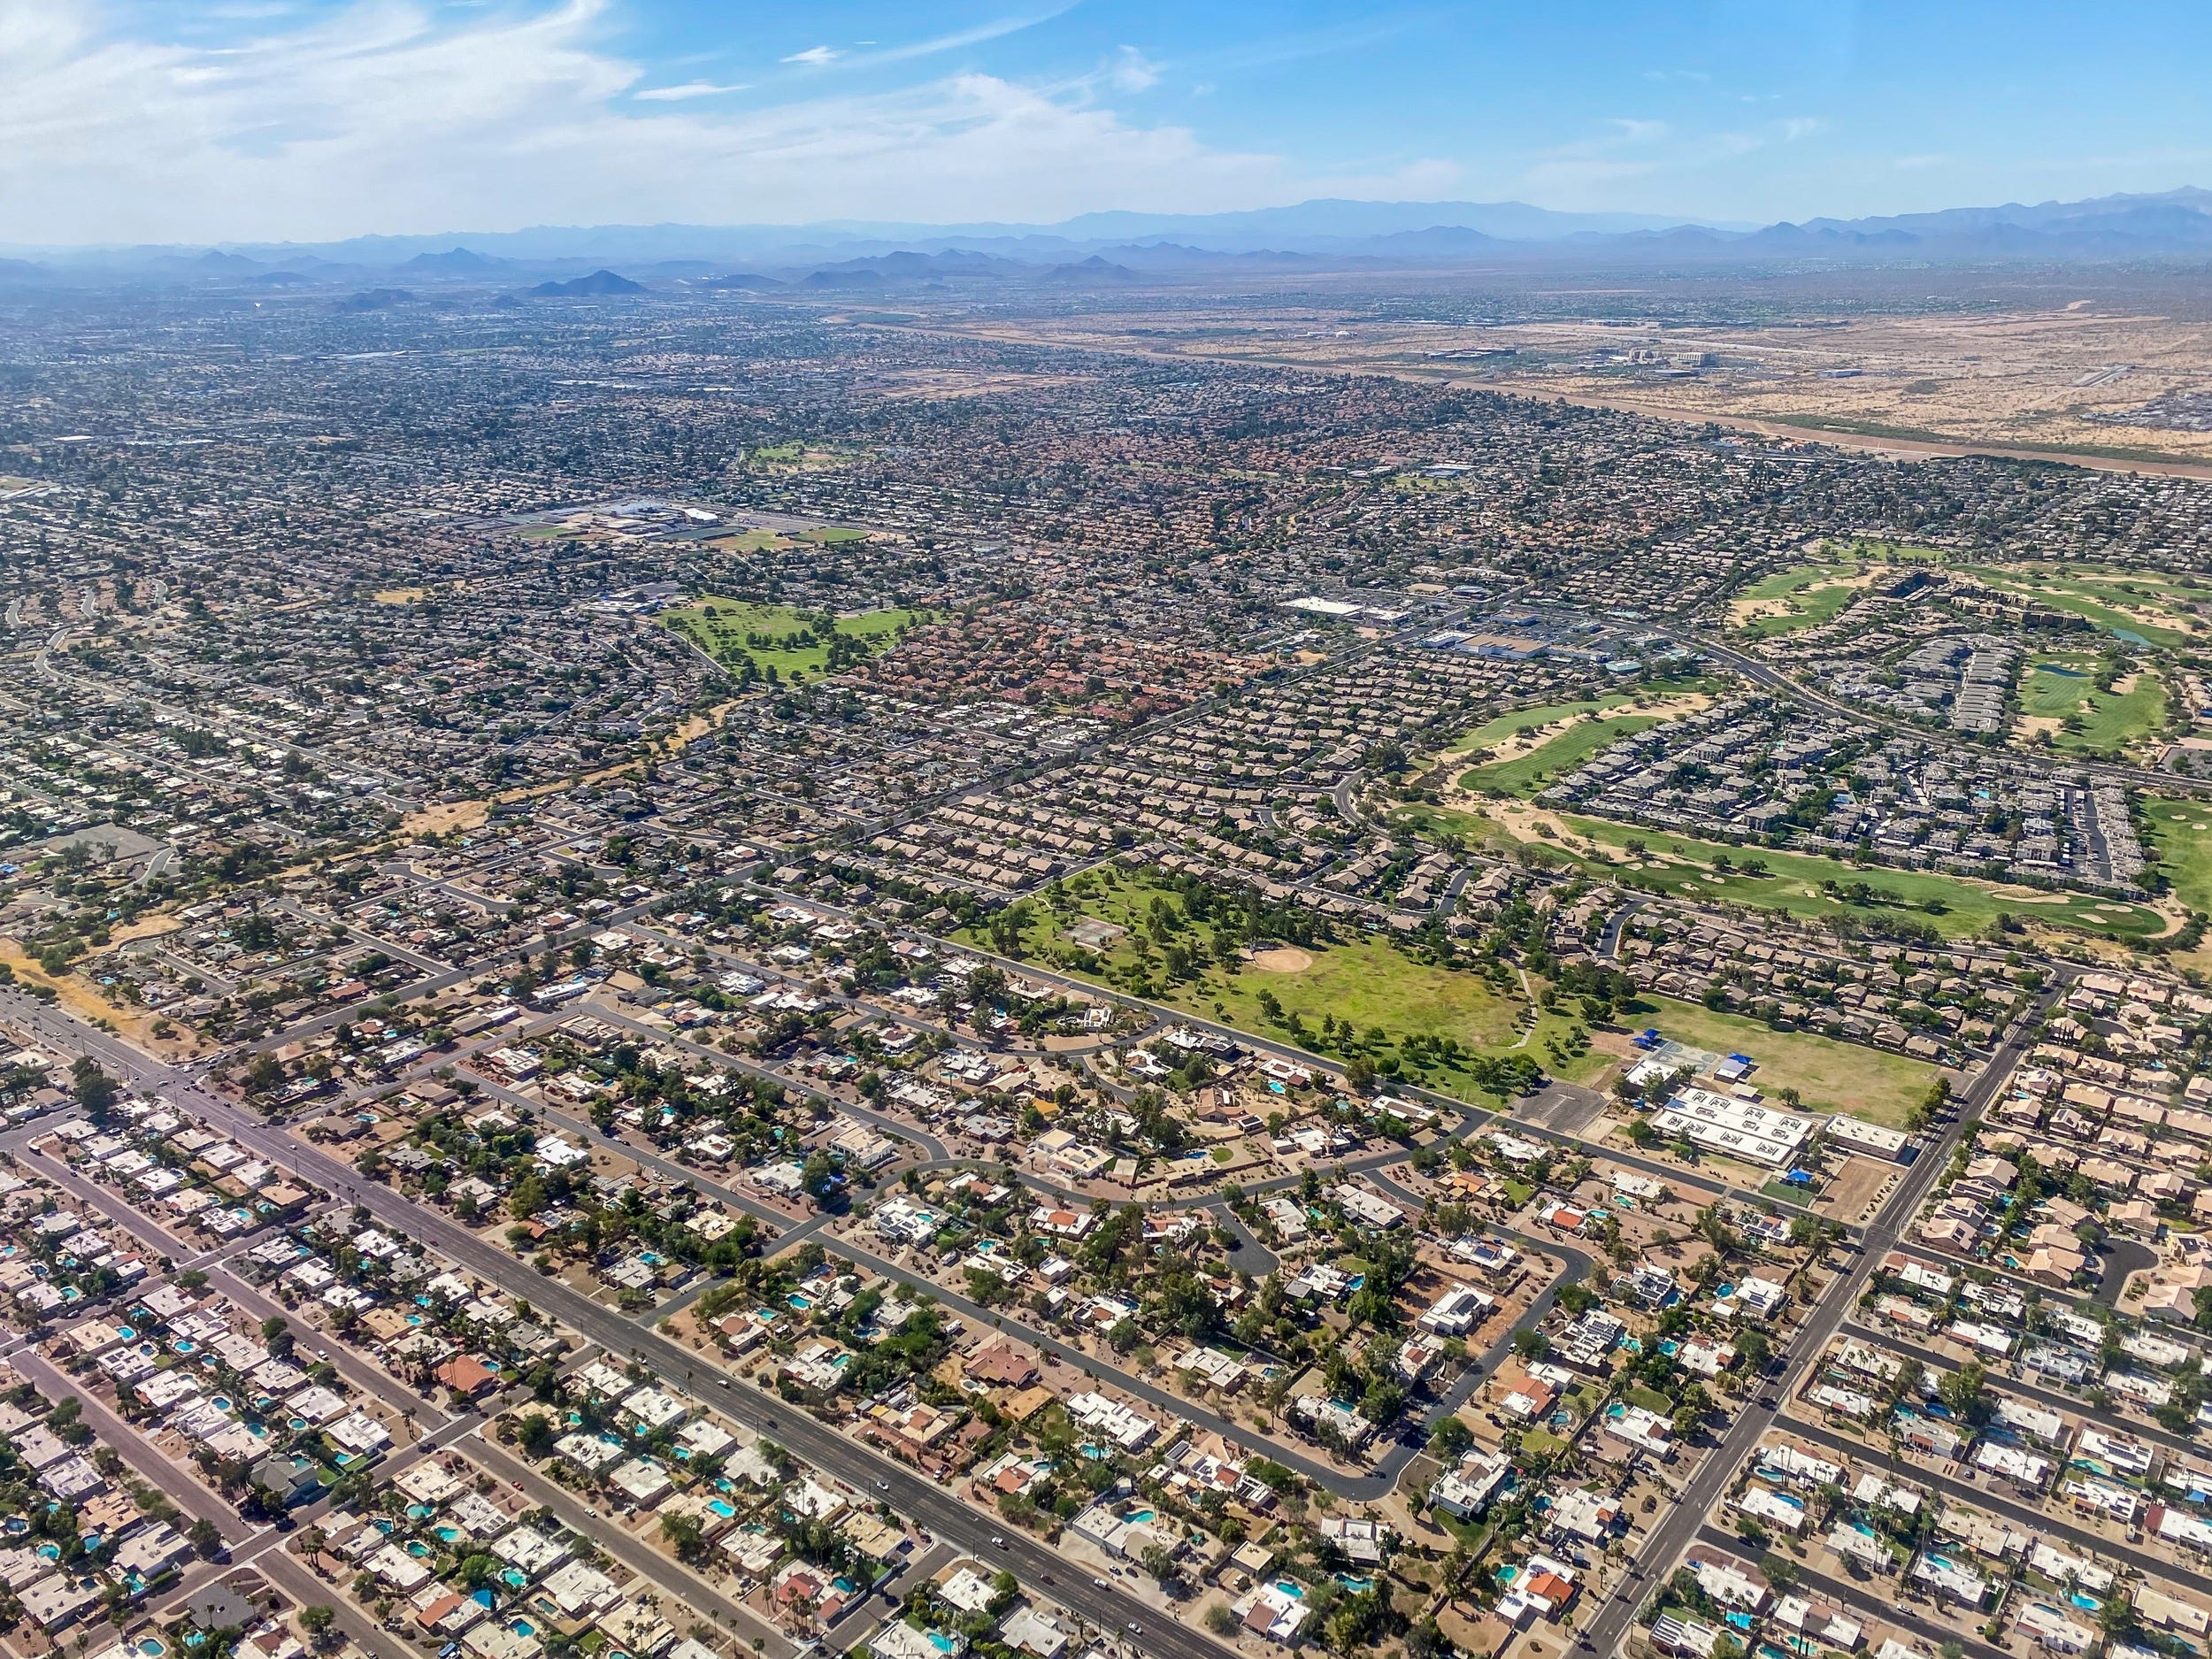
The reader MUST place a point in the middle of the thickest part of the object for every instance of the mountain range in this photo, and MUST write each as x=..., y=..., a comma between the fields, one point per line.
x=1110, y=249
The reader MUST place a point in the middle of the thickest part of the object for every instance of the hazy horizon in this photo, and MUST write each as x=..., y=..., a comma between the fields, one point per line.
x=319, y=120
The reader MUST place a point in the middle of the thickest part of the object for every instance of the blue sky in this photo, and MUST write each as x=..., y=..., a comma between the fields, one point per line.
x=317, y=119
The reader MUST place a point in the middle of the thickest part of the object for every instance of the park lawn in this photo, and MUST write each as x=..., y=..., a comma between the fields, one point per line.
x=1829, y=1076
x=1540, y=767
x=1365, y=979
x=733, y=620
x=1535, y=719
x=2182, y=832
x=2057, y=687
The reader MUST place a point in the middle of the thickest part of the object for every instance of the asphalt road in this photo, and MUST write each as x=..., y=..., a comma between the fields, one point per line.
x=1664, y=1546
x=1764, y=674
x=1991, y=1495
x=1470, y=1116
x=924, y=1502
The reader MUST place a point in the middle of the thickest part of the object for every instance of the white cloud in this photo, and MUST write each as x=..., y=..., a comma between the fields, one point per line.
x=688, y=90
x=816, y=55
x=391, y=116
x=1799, y=126
x=1129, y=70
x=1639, y=132
x=953, y=41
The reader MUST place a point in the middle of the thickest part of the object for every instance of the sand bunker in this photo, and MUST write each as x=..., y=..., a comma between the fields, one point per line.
x=1281, y=959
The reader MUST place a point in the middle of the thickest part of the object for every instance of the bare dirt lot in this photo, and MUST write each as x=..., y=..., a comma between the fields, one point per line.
x=2050, y=374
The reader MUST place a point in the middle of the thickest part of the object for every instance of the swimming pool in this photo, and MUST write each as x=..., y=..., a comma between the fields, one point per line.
x=727, y=1511
x=522, y=1627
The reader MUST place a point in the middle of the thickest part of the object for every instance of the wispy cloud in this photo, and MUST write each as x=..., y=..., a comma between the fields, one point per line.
x=1799, y=126
x=814, y=55
x=1627, y=150
x=394, y=115
x=688, y=90
x=1129, y=70
x=963, y=38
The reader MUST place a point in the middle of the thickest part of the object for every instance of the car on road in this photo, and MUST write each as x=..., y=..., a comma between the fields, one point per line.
x=997, y=1543
x=1101, y=1583
x=883, y=1486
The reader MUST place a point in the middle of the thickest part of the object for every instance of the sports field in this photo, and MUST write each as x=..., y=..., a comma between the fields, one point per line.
x=1828, y=1076
x=793, y=643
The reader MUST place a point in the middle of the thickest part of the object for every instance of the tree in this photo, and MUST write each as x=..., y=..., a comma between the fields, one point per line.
x=1155, y=1559
x=684, y=1534
x=1451, y=1438
x=95, y=1089
x=205, y=1538
x=1965, y=1392
x=315, y=1619
x=535, y=1434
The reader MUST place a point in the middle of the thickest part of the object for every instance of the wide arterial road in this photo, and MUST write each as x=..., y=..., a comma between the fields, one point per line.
x=933, y=1507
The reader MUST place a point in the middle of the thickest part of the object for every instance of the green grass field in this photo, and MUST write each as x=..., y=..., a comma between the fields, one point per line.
x=1815, y=594
x=1495, y=732
x=2182, y=832
x=1545, y=764
x=1365, y=981
x=765, y=540
x=723, y=627
x=2113, y=600
x=1792, y=882
x=2063, y=687
x=1828, y=1076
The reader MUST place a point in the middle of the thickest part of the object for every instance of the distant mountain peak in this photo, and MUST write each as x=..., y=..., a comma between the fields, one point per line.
x=599, y=283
